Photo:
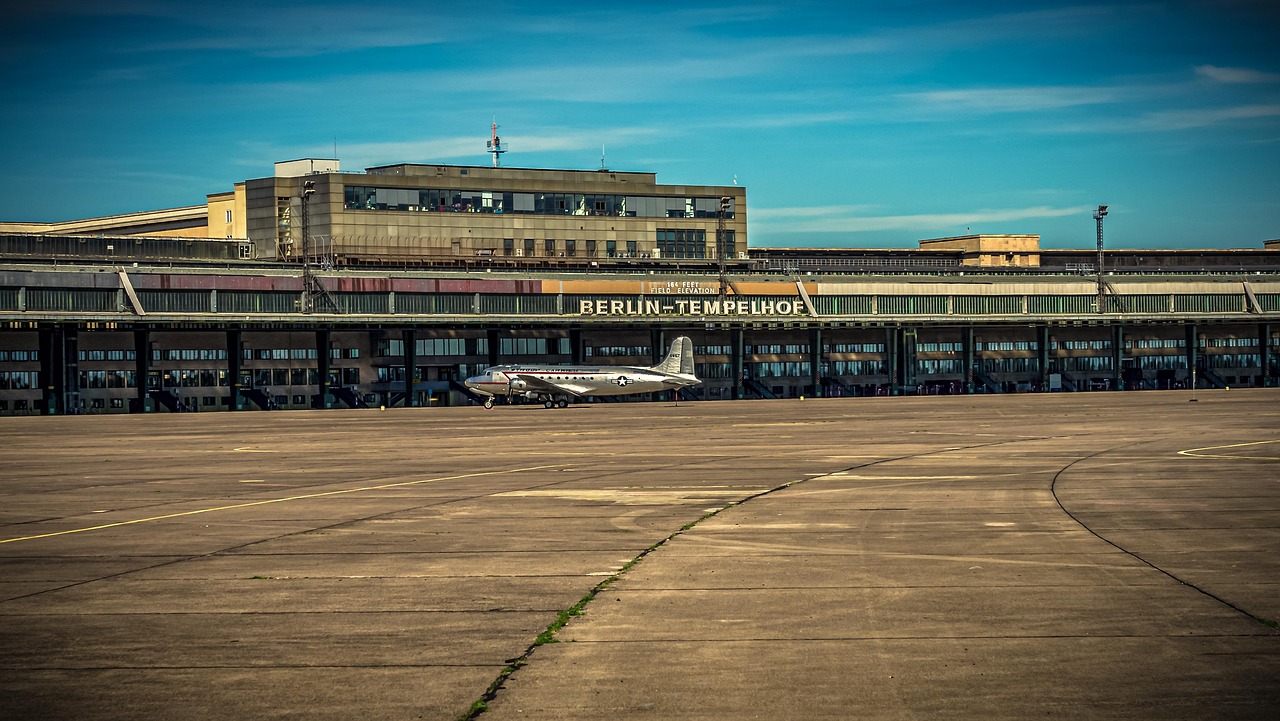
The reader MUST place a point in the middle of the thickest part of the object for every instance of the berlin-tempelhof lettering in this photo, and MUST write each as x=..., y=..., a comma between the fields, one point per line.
x=717, y=307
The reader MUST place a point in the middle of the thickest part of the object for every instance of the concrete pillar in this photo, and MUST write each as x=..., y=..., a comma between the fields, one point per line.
x=1042, y=355
x=141, y=368
x=1193, y=353
x=234, y=356
x=891, y=358
x=966, y=357
x=492, y=335
x=1117, y=357
x=907, y=357
x=410, y=338
x=1265, y=355
x=576, y=347
x=322, y=370
x=737, y=361
x=657, y=344
x=657, y=349
x=59, y=370
x=815, y=361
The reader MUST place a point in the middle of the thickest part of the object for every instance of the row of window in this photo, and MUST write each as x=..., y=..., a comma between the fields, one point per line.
x=692, y=243
x=856, y=368
x=220, y=378
x=442, y=347
x=484, y=201
x=946, y=365
x=394, y=347
x=534, y=346
x=213, y=354
x=19, y=380
x=550, y=248
x=855, y=348
x=776, y=348
x=939, y=347
x=620, y=351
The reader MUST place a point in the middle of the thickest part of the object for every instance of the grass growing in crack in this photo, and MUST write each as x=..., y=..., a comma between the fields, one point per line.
x=579, y=609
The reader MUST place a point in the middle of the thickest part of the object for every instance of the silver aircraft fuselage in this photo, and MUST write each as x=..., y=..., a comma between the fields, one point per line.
x=555, y=385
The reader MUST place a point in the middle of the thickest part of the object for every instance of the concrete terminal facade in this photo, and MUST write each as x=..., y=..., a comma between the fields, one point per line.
x=418, y=275
x=102, y=338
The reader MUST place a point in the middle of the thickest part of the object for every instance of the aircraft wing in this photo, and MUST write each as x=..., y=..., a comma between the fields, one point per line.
x=539, y=384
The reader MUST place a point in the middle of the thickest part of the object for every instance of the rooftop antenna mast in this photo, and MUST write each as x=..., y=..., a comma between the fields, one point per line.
x=495, y=146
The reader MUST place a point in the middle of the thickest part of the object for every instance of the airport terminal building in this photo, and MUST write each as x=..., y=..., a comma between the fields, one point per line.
x=317, y=288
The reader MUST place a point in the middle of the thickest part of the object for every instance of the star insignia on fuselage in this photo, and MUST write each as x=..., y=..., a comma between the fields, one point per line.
x=624, y=381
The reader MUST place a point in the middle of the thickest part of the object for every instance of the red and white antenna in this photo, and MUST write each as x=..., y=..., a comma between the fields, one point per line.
x=494, y=145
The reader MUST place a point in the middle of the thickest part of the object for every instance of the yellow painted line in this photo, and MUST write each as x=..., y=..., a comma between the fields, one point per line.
x=1195, y=452
x=269, y=501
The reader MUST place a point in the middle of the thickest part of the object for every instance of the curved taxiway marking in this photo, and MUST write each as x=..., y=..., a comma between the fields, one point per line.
x=1195, y=452
x=272, y=500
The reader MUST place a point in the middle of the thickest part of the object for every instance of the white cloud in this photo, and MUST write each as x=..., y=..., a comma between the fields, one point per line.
x=1236, y=75
x=1019, y=99
x=1201, y=118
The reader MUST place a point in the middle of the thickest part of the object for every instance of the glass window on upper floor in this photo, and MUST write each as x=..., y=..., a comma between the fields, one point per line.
x=682, y=242
x=524, y=346
x=434, y=200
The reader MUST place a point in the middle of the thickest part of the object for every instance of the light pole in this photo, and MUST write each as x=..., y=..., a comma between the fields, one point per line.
x=725, y=203
x=308, y=298
x=1098, y=216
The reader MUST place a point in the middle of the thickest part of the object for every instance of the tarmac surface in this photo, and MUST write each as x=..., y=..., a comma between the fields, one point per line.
x=1089, y=556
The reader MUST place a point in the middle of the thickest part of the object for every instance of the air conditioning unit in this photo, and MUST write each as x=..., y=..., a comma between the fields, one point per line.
x=519, y=252
x=742, y=255
x=656, y=253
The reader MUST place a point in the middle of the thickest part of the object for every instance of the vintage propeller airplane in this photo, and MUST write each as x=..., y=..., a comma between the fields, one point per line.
x=555, y=385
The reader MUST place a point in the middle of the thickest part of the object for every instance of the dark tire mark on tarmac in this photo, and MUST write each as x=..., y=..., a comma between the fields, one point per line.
x=1053, y=488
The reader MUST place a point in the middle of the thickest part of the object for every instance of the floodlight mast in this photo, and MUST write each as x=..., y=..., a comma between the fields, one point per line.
x=1102, y=284
x=308, y=297
x=311, y=286
x=725, y=204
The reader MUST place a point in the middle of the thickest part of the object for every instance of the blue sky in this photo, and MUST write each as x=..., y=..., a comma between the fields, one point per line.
x=860, y=124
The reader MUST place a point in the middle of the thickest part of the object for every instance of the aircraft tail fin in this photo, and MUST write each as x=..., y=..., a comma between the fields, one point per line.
x=679, y=358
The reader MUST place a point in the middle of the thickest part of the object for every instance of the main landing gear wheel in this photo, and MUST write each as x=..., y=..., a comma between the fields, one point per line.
x=562, y=403
x=548, y=404
x=488, y=403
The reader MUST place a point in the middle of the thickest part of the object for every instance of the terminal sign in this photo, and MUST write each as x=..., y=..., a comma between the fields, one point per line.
x=715, y=307
x=681, y=287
